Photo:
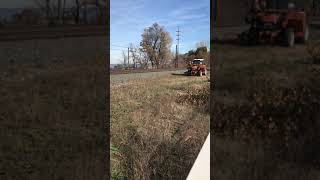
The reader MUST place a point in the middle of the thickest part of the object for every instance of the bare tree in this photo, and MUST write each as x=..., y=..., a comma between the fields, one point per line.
x=189, y=57
x=45, y=6
x=156, y=42
x=134, y=54
x=201, y=44
x=138, y=56
x=59, y=11
x=77, y=11
x=63, y=11
x=143, y=59
x=125, y=58
x=99, y=7
x=53, y=10
x=201, y=52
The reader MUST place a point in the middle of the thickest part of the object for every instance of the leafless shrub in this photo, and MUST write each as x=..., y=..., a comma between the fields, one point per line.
x=195, y=95
x=313, y=48
x=288, y=117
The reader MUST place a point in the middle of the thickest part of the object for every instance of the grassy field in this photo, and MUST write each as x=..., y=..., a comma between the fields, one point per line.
x=52, y=119
x=158, y=125
x=265, y=113
x=124, y=78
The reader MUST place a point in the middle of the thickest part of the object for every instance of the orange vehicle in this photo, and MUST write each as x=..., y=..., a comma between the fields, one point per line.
x=197, y=67
x=272, y=25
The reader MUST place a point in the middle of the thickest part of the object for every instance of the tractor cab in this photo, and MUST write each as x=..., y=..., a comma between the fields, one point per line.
x=276, y=25
x=198, y=62
x=197, y=67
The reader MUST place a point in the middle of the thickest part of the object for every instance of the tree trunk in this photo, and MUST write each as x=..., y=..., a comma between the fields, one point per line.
x=48, y=11
x=85, y=16
x=59, y=11
x=63, y=11
x=98, y=8
x=77, y=16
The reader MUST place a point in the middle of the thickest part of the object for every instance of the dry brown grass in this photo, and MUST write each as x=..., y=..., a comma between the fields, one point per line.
x=313, y=48
x=158, y=126
x=51, y=119
x=265, y=113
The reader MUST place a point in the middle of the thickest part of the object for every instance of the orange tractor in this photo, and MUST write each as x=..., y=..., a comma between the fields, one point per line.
x=271, y=25
x=197, y=67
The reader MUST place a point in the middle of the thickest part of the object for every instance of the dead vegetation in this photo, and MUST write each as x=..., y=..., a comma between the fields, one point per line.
x=158, y=126
x=265, y=113
x=51, y=120
x=313, y=48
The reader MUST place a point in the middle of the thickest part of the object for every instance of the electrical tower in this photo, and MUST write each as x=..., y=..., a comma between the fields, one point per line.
x=177, y=47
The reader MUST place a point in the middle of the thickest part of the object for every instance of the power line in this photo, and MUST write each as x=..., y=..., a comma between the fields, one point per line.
x=118, y=46
x=118, y=49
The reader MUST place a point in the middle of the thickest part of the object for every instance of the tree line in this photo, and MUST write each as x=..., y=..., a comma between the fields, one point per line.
x=60, y=12
x=56, y=10
x=154, y=51
x=201, y=52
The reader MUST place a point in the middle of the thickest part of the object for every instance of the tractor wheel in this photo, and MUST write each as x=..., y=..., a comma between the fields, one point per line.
x=305, y=37
x=289, y=37
x=306, y=34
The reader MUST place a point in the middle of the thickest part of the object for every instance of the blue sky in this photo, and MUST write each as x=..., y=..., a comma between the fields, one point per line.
x=128, y=18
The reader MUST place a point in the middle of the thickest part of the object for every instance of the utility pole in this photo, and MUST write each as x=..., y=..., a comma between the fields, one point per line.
x=177, y=48
x=128, y=58
x=177, y=55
